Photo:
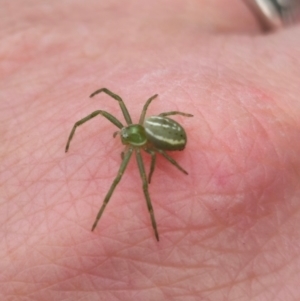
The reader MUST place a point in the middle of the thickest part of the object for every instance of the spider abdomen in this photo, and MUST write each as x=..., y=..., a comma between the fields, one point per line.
x=165, y=133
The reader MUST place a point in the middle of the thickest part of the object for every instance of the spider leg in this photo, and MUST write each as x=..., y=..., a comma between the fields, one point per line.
x=119, y=99
x=175, y=113
x=145, y=189
x=108, y=116
x=172, y=161
x=145, y=108
x=153, y=160
x=122, y=168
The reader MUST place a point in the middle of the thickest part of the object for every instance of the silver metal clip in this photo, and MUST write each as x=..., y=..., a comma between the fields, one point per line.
x=275, y=14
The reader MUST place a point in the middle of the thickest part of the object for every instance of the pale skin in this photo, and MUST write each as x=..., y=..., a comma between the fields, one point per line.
x=228, y=231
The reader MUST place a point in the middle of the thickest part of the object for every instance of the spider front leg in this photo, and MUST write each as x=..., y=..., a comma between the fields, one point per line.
x=153, y=160
x=123, y=166
x=175, y=113
x=119, y=99
x=108, y=116
x=146, y=192
x=146, y=105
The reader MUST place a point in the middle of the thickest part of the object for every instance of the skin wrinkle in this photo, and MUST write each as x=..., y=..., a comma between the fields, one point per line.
x=252, y=148
x=266, y=132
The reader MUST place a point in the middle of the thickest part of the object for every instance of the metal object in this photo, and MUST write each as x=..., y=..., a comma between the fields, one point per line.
x=275, y=14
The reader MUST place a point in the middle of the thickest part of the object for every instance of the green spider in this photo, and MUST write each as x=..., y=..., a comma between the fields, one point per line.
x=155, y=134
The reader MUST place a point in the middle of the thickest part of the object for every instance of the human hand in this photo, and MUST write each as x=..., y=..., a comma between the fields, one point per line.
x=228, y=230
